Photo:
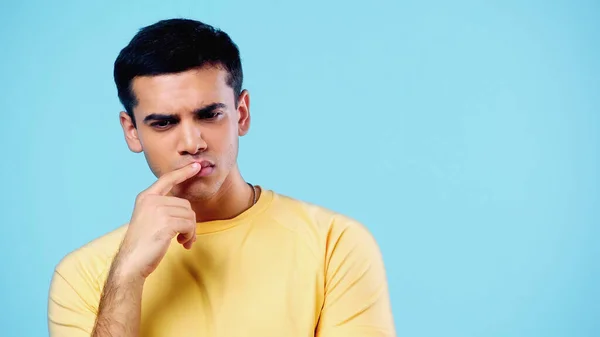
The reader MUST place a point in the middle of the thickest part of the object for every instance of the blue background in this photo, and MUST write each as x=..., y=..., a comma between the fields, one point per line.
x=464, y=134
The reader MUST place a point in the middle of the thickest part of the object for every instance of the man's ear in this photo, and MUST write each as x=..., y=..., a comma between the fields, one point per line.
x=243, y=113
x=130, y=132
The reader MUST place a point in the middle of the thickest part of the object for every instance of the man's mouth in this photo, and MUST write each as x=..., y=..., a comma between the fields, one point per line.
x=207, y=168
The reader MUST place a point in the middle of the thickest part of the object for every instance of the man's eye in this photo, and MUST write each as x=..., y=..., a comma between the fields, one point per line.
x=210, y=115
x=162, y=124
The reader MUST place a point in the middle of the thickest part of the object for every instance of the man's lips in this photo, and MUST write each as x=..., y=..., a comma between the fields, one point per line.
x=207, y=168
x=203, y=163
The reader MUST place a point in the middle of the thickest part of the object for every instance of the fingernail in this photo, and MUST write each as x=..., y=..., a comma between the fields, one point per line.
x=195, y=165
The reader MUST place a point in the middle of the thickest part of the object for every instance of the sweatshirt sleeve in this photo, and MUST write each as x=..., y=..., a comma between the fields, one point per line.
x=73, y=298
x=356, y=301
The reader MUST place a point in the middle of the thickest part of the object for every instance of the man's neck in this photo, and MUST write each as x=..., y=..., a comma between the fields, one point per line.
x=233, y=198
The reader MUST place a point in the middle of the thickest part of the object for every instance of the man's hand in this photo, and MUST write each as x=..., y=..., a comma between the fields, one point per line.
x=157, y=218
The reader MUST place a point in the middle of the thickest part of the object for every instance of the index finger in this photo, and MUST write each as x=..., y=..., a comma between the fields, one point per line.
x=165, y=183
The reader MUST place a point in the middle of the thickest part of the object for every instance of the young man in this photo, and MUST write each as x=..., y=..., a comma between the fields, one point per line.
x=205, y=253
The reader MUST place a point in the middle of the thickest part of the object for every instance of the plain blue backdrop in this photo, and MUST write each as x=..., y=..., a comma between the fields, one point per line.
x=464, y=135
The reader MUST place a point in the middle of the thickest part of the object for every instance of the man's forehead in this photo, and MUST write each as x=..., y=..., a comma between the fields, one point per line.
x=181, y=91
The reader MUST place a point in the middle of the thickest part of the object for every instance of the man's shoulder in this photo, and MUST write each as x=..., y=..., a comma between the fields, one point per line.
x=335, y=236
x=305, y=215
x=93, y=258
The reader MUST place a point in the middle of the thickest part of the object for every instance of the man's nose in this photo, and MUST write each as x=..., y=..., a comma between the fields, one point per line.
x=191, y=140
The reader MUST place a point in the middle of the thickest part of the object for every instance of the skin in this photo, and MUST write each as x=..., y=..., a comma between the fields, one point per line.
x=169, y=144
x=182, y=121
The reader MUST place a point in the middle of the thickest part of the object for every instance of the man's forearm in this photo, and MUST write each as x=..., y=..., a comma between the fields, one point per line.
x=119, y=310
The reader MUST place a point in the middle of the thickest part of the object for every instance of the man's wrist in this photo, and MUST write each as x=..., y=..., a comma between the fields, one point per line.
x=123, y=275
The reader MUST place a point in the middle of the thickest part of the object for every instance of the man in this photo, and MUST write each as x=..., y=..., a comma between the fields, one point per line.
x=205, y=253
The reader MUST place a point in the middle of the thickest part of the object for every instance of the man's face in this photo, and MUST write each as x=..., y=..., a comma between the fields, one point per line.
x=186, y=117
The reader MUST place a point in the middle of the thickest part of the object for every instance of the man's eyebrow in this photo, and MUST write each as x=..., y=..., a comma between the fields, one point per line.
x=209, y=108
x=198, y=112
x=159, y=117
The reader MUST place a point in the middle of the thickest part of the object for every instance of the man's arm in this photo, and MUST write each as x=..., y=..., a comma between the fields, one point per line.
x=157, y=219
x=356, y=299
x=76, y=308
x=119, y=310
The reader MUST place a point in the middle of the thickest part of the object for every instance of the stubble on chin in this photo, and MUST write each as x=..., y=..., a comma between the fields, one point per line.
x=195, y=191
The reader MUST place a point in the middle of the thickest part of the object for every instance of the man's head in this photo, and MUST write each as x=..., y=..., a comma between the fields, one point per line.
x=180, y=82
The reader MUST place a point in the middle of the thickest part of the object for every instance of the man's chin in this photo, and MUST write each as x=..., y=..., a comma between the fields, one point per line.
x=195, y=188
